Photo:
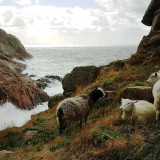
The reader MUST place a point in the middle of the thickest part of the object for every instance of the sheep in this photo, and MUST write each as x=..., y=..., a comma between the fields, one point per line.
x=155, y=79
x=142, y=112
x=77, y=108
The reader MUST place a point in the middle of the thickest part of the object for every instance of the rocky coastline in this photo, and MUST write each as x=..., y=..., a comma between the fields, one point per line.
x=15, y=87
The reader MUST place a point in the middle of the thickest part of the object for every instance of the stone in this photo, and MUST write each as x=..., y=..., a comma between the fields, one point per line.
x=156, y=21
x=138, y=93
x=110, y=94
x=149, y=15
x=30, y=134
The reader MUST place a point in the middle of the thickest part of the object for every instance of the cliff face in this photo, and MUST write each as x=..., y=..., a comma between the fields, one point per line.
x=149, y=47
x=11, y=47
x=15, y=87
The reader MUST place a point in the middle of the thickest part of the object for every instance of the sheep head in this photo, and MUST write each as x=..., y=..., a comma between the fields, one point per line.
x=96, y=94
x=154, y=77
x=127, y=105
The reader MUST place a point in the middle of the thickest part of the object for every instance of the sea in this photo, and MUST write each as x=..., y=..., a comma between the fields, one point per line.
x=58, y=61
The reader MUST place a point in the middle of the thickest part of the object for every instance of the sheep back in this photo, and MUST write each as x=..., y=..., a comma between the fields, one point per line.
x=144, y=112
x=75, y=108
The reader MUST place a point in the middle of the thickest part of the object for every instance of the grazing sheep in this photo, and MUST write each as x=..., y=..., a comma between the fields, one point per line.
x=77, y=108
x=155, y=79
x=140, y=111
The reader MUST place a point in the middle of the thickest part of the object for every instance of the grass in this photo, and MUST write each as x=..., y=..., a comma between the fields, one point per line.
x=105, y=136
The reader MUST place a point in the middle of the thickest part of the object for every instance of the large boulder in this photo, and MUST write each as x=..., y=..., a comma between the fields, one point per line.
x=148, y=17
x=138, y=93
x=80, y=76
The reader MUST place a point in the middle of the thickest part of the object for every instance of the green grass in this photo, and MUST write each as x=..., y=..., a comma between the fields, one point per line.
x=66, y=141
x=105, y=133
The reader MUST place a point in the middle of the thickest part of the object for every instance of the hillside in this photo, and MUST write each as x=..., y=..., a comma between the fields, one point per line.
x=105, y=136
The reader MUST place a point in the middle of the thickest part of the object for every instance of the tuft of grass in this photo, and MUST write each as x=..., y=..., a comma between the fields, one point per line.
x=104, y=134
x=108, y=83
x=102, y=102
x=43, y=136
x=13, y=139
x=66, y=141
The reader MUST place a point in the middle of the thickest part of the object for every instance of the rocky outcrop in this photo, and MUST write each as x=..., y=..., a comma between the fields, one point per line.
x=149, y=47
x=138, y=93
x=15, y=87
x=80, y=76
x=149, y=15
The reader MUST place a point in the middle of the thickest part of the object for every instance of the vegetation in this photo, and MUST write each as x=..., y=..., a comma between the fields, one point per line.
x=104, y=136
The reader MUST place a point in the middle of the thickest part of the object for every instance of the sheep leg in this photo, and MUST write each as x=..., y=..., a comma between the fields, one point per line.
x=61, y=128
x=85, y=119
x=80, y=124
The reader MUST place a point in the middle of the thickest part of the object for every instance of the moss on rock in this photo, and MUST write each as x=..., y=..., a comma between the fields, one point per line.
x=55, y=99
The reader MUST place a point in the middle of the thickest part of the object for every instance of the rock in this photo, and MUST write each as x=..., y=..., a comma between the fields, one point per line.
x=30, y=134
x=11, y=47
x=54, y=77
x=15, y=87
x=54, y=100
x=156, y=21
x=150, y=42
x=138, y=93
x=42, y=83
x=32, y=75
x=80, y=76
x=148, y=17
x=110, y=95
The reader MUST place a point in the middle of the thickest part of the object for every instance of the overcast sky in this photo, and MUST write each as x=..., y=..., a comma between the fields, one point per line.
x=75, y=22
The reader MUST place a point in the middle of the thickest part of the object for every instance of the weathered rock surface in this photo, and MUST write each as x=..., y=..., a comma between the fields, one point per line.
x=138, y=93
x=156, y=21
x=15, y=87
x=11, y=47
x=149, y=15
x=80, y=76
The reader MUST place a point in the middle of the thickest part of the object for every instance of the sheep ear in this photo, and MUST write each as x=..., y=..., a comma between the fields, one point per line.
x=135, y=101
x=156, y=74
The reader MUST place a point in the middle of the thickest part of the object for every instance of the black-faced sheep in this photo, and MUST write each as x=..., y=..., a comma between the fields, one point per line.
x=141, y=111
x=155, y=79
x=77, y=108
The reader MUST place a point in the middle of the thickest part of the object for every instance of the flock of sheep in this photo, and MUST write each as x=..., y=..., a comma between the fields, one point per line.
x=78, y=108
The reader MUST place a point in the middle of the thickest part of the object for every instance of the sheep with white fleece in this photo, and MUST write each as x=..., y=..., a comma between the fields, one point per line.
x=155, y=79
x=142, y=112
x=77, y=108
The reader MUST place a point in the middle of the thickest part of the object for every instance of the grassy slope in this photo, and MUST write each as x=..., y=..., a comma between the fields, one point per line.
x=104, y=137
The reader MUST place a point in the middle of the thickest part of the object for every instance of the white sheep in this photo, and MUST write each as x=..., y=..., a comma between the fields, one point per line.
x=155, y=79
x=142, y=112
x=77, y=108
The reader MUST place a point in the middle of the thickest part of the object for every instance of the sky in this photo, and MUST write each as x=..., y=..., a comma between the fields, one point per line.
x=75, y=22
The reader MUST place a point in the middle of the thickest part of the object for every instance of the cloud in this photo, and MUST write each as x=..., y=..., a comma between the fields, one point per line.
x=137, y=6
x=73, y=26
x=24, y=2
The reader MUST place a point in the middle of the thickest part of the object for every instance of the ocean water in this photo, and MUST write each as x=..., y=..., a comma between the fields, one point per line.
x=58, y=61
